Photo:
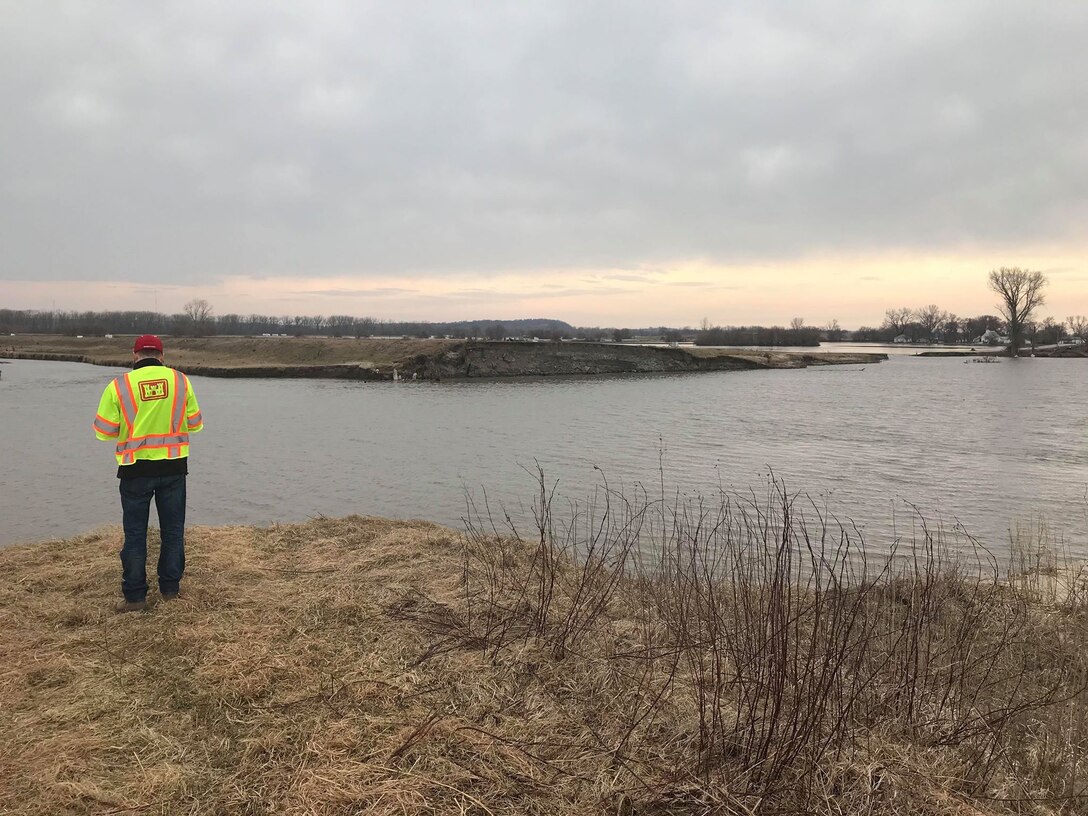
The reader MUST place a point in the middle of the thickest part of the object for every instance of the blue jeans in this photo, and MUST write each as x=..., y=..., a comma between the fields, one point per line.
x=136, y=495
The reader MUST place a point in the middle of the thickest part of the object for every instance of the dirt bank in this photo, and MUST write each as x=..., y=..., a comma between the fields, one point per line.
x=546, y=359
x=377, y=359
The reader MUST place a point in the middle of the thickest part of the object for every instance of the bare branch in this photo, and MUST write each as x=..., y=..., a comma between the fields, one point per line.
x=1021, y=293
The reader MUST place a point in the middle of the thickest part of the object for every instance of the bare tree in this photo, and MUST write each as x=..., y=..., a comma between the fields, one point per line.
x=198, y=314
x=340, y=325
x=797, y=323
x=1078, y=326
x=315, y=324
x=365, y=326
x=930, y=318
x=1021, y=293
x=198, y=310
x=1050, y=332
x=952, y=327
x=898, y=319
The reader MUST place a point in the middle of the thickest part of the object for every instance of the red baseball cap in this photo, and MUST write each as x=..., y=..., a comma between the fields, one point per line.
x=147, y=341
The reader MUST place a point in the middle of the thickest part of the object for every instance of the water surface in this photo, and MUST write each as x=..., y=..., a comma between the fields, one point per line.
x=987, y=446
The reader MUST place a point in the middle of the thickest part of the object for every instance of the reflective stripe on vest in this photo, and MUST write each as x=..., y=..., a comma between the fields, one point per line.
x=127, y=450
x=105, y=426
x=127, y=400
x=195, y=419
x=178, y=417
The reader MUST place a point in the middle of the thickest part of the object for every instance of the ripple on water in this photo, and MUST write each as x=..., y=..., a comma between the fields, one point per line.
x=985, y=445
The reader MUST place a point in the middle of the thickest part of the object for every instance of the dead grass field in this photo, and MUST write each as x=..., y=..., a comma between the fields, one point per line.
x=276, y=684
x=367, y=666
x=237, y=352
x=300, y=354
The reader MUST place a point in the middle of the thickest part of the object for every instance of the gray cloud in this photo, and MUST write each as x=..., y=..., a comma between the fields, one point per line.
x=381, y=291
x=629, y=278
x=181, y=142
x=536, y=294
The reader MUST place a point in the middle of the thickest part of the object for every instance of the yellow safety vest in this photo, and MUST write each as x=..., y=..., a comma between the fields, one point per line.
x=150, y=411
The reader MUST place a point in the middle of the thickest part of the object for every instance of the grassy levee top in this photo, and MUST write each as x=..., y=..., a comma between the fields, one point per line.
x=361, y=665
x=377, y=358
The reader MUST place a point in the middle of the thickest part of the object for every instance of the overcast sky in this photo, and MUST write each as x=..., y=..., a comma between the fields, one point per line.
x=616, y=163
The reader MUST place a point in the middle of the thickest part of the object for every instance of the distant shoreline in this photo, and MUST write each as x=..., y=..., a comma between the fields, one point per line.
x=433, y=359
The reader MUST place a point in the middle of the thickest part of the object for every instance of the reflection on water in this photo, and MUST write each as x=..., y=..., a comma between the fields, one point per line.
x=985, y=445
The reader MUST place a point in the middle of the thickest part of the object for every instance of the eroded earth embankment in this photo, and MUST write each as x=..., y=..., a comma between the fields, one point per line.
x=384, y=359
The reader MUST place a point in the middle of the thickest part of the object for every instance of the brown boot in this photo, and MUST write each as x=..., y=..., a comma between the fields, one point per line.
x=169, y=596
x=132, y=606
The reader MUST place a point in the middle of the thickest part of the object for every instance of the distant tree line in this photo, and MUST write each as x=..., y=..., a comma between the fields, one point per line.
x=970, y=330
x=55, y=322
x=928, y=324
x=967, y=330
x=796, y=334
x=198, y=319
x=1020, y=293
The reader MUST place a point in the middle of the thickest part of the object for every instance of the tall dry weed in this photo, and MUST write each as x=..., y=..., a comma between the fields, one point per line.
x=749, y=652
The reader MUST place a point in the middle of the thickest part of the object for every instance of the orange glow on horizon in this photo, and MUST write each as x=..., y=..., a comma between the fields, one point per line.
x=855, y=291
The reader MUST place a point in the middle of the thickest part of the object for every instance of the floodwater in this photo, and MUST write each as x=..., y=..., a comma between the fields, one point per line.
x=988, y=447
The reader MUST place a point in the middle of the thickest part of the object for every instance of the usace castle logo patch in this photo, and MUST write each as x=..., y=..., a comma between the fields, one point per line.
x=154, y=390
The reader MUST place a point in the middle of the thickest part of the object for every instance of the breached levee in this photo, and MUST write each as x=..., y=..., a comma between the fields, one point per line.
x=380, y=359
x=566, y=359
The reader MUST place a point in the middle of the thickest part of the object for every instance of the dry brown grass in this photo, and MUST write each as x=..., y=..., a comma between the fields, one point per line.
x=238, y=352
x=361, y=665
x=277, y=684
x=203, y=354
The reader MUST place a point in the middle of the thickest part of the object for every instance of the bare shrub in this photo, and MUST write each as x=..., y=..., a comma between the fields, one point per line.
x=748, y=651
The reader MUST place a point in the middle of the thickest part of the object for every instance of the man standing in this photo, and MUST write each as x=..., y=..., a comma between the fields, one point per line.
x=150, y=412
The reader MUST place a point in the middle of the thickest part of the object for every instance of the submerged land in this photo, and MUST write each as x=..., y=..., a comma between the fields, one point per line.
x=362, y=665
x=433, y=359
